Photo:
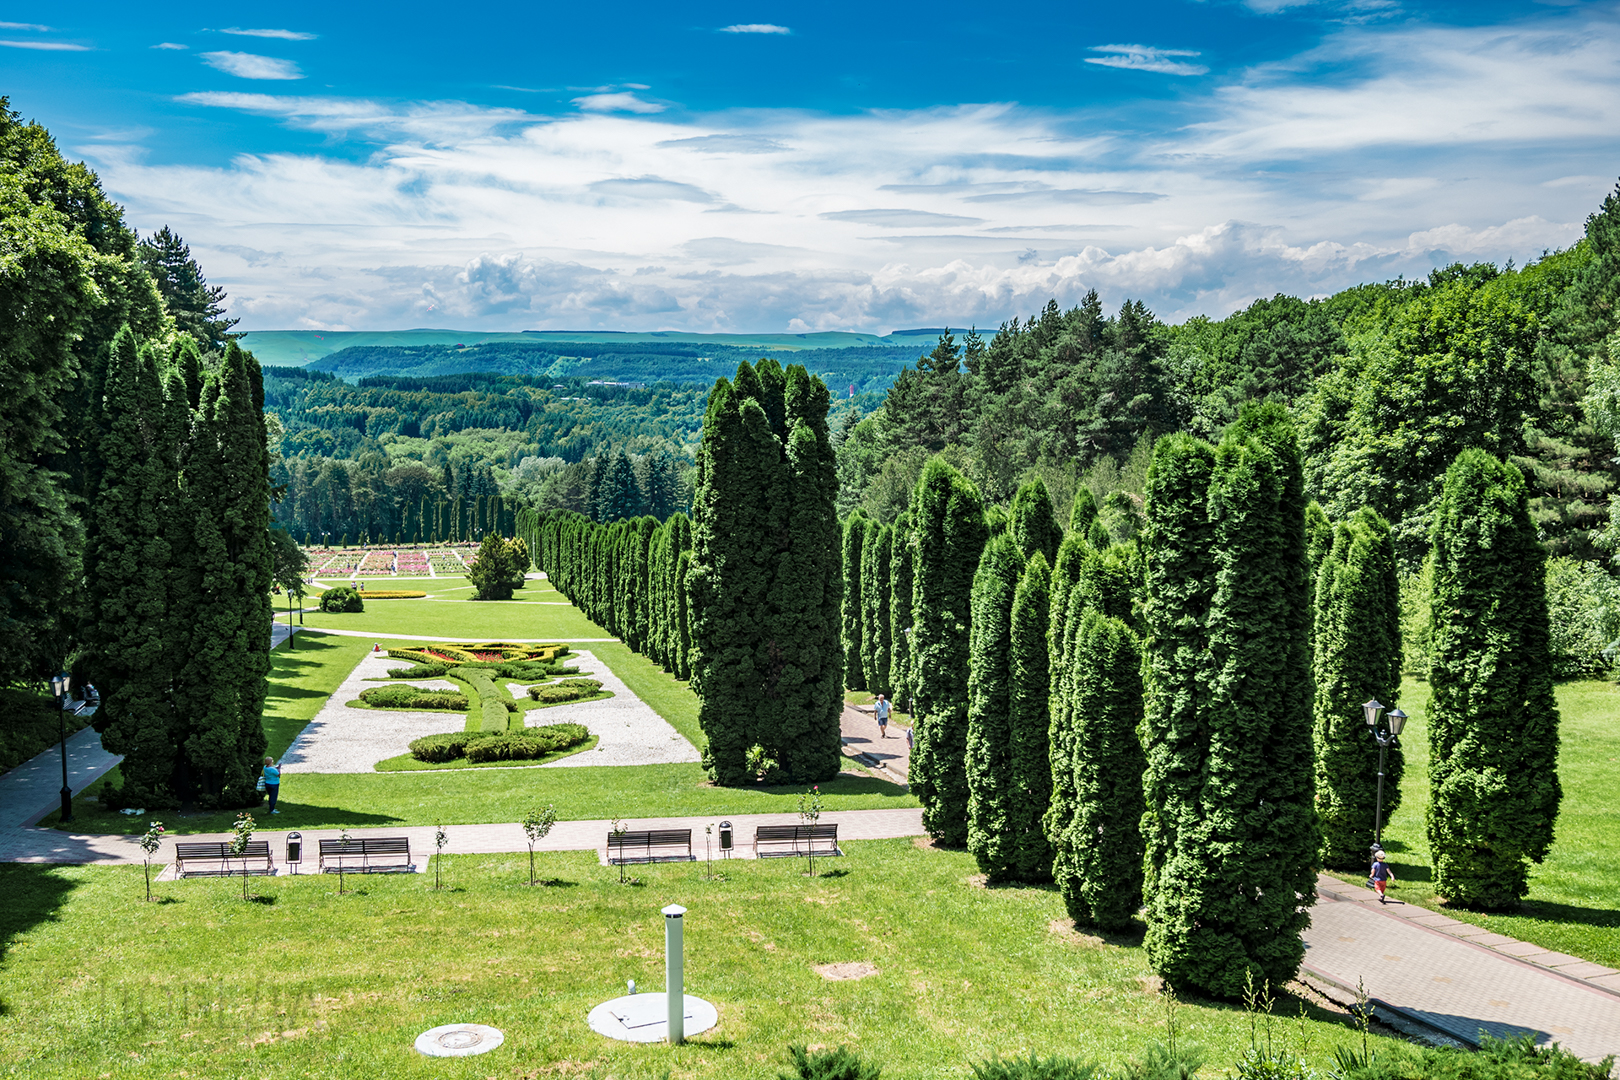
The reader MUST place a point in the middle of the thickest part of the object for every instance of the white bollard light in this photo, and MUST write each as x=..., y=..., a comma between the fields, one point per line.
x=674, y=974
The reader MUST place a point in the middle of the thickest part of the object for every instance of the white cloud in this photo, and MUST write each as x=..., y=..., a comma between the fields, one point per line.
x=283, y=35
x=1146, y=58
x=755, y=28
x=252, y=66
x=1366, y=158
x=169, y=45
x=24, y=26
x=617, y=102
x=46, y=46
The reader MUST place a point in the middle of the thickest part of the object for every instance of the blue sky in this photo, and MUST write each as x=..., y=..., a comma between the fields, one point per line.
x=775, y=167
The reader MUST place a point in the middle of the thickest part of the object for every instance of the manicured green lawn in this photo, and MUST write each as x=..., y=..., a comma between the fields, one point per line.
x=1574, y=902
x=304, y=678
x=305, y=983
x=448, y=611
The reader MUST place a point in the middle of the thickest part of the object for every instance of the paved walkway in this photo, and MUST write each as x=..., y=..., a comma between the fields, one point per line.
x=1411, y=965
x=863, y=741
x=33, y=789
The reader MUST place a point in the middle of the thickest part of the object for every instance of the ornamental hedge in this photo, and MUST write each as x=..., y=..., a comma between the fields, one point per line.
x=342, y=600
x=412, y=697
x=478, y=746
x=567, y=690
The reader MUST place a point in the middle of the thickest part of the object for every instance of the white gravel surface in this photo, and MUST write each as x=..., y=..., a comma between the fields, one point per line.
x=345, y=740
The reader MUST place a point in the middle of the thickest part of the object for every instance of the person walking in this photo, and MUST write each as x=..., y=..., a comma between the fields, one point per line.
x=1381, y=875
x=882, y=710
x=272, y=782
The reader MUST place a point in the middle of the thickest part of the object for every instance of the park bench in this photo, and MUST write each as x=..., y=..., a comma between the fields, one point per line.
x=784, y=841
x=367, y=855
x=213, y=858
x=650, y=846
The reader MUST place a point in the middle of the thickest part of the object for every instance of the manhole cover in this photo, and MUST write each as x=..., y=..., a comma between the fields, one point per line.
x=458, y=1040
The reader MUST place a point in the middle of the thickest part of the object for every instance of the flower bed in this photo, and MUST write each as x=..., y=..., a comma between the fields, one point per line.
x=392, y=594
x=446, y=562
x=342, y=562
x=411, y=562
x=377, y=562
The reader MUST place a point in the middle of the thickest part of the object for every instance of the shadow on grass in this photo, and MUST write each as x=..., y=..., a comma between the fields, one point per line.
x=832, y=873
x=1551, y=912
x=844, y=784
x=34, y=895
x=262, y=900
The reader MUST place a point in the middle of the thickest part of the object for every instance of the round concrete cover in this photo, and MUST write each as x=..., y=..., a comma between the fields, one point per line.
x=643, y=1018
x=458, y=1040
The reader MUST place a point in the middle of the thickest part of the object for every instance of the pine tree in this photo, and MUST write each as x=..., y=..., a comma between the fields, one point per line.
x=876, y=557
x=1034, y=521
x=900, y=585
x=1101, y=861
x=991, y=837
x=1493, y=720
x=948, y=524
x=855, y=530
x=492, y=572
x=1231, y=902
x=1358, y=657
x=683, y=615
x=1031, y=721
x=1071, y=560
x=197, y=307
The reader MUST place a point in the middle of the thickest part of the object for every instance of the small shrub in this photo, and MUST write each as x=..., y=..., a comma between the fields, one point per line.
x=438, y=749
x=412, y=697
x=840, y=1064
x=571, y=690
x=762, y=767
x=1036, y=1068
x=482, y=746
x=342, y=600
x=419, y=671
x=1496, y=1059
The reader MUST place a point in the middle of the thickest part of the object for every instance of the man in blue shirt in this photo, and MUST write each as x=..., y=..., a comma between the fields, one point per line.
x=882, y=710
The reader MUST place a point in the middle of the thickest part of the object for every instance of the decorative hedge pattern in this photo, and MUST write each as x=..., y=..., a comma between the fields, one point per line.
x=524, y=745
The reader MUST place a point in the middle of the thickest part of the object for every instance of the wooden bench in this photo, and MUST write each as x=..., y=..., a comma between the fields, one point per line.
x=375, y=855
x=785, y=841
x=213, y=858
x=650, y=846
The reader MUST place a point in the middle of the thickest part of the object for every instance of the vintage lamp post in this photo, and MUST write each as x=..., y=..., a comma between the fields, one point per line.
x=1395, y=721
x=60, y=685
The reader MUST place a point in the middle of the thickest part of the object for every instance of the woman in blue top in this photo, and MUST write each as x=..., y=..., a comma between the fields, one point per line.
x=272, y=782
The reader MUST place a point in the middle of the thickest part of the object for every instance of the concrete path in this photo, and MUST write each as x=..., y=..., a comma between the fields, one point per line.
x=33, y=789
x=863, y=741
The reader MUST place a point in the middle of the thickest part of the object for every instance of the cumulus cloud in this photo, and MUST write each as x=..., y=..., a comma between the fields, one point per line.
x=454, y=213
x=1146, y=58
x=617, y=102
x=169, y=45
x=283, y=35
x=252, y=66
x=755, y=28
x=46, y=46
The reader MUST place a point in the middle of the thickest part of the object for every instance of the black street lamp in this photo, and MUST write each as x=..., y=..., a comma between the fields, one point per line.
x=1396, y=720
x=60, y=685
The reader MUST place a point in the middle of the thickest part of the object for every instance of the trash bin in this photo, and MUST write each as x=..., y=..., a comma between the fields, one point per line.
x=295, y=850
x=725, y=839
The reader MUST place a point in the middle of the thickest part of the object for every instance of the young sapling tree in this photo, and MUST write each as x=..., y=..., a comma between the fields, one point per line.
x=536, y=824
x=149, y=844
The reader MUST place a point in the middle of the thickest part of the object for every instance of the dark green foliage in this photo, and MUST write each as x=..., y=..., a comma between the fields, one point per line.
x=948, y=524
x=841, y=1063
x=412, y=697
x=495, y=573
x=1036, y=1068
x=1107, y=582
x=900, y=585
x=1358, y=658
x=1034, y=521
x=855, y=531
x=341, y=598
x=1493, y=723
x=1030, y=680
x=683, y=617
x=1098, y=845
x=1072, y=556
x=990, y=782
x=197, y=307
x=876, y=557
x=525, y=745
x=1083, y=514
x=1496, y=1059
x=567, y=690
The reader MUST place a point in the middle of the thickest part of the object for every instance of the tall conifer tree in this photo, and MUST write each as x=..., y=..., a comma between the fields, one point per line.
x=1034, y=521
x=1358, y=657
x=1493, y=720
x=991, y=837
x=900, y=584
x=1031, y=720
x=949, y=528
x=855, y=530
x=875, y=629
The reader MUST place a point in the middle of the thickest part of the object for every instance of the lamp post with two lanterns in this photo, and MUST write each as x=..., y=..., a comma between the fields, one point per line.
x=60, y=685
x=1394, y=722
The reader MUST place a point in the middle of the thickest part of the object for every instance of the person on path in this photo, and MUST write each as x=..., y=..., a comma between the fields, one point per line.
x=910, y=741
x=882, y=711
x=1381, y=875
x=272, y=782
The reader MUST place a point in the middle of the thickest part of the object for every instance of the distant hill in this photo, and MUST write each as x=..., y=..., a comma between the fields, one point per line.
x=296, y=348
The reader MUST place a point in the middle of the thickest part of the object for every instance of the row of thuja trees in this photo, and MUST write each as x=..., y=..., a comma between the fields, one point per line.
x=1174, y=724
x=743, y=597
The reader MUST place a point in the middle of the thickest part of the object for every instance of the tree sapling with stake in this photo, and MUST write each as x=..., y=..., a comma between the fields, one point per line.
x=809, y=811
x=439, y=840
x=536, y=824
x=241, y=834
x=149, y=844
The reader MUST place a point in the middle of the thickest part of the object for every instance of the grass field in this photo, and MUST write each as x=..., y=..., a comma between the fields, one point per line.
x=307, y=983
x=1574, y=902
x=302, y=680
x=537, y=611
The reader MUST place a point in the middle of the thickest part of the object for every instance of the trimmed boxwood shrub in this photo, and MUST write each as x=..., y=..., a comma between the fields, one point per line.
x=438, y=749
x=419, y=671
x=569, y=690
x=480, y=746
x=342, y=599
x=412, y=697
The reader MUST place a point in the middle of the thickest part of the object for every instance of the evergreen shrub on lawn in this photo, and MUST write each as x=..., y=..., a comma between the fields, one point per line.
x=342, y=600
x=481, y=746
x=568, y=690
x=990, y=835
x=412, y=697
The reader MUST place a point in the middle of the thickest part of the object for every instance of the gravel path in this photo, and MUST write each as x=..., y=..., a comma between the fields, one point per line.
x=345, y=740
x=628, y=731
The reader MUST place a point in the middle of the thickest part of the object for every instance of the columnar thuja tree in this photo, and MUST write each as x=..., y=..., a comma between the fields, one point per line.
x=1096, y=830
x=855, y=532
x=1358, y=657
x=989, y=730
x=875, y=628
x=1034, y=523
x=765, y=583
x=1230, y=830
x=900, y=584
x=1071, y=559
x=949, y=532
x=1029, y=695
x=1493, y=723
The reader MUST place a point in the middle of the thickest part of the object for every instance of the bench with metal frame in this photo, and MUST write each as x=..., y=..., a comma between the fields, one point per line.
x=375, y=855
x=796, y=841
x=213, y=858
x=650, y=846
